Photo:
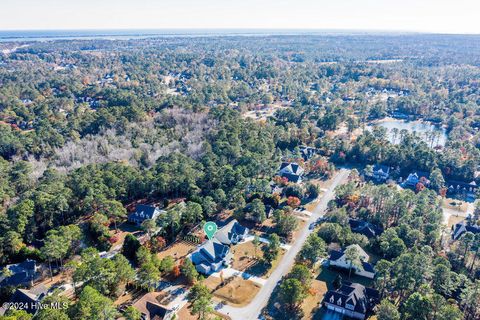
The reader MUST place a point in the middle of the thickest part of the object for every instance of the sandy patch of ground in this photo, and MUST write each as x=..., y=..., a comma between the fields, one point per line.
x=177, y=251
x=237, y=292
x=453, y=220
x=453, y=204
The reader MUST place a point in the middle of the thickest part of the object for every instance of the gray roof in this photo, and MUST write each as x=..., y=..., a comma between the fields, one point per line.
x=211, y=251
x=230, y=231
x=22, y=273
x=353, y=294
x=144, y=212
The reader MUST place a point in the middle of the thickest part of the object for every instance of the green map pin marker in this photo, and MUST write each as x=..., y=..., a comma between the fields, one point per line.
x=210, y=228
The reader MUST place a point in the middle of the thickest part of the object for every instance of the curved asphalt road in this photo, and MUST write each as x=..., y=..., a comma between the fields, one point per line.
x=252, y=311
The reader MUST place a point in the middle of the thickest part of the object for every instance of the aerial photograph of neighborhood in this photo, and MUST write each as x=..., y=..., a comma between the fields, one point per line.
x=239, y=160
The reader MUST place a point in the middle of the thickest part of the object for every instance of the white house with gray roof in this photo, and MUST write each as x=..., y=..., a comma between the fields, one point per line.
x=214, y=254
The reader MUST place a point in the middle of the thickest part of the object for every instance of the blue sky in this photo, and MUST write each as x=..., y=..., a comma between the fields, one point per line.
x=459, y=16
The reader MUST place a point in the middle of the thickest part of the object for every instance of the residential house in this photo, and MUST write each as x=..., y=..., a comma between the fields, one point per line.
x=352, y=300
x=380, y=172
x=366, y=228
x=214, y=254
x=292, y=171
x=150, y=308
x=29, y=299
x=307, y=152
x=232, y=233
x=415, y=177
x=466, y=189
x=361, y=268
x=211, y=256
x=21, y=274
x=144, y=212
x=466, y=225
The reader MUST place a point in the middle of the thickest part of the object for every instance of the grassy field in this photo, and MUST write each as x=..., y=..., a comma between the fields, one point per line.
x=177, y=251
x=245, y=255
x=263, y=270
x=185, y=314
x=238, y=292
x=311, y=304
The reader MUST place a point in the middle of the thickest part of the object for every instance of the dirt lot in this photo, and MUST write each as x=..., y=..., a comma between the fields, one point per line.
x=458, y=205
x=238, y=293
x=178, y=251
x=312, y=302
x=244, y=255
x=184, y=314
x=452, y=220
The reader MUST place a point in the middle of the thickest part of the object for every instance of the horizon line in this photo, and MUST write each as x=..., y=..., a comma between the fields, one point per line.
x=233, y=30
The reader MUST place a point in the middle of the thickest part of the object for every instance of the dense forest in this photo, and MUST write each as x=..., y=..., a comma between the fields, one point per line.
x=88, y=127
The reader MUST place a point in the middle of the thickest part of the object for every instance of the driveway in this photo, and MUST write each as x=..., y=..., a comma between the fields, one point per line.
x=252, y=311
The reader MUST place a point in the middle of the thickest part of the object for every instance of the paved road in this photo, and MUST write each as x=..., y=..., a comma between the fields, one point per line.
x=252, y=311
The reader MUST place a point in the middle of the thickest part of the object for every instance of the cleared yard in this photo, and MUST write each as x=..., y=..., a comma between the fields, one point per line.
x=263, y=270
x=244, y=255
x=453, y=204
x=452, y=220
x=237, y=292
x=177, y=251
x=312, y=302
x=184, y=314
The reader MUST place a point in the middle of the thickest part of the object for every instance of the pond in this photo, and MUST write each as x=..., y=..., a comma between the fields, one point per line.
x=433, y=135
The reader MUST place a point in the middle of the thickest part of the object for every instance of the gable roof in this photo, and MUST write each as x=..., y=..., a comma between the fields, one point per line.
x=211, y=251
x=22, y=273
x=464, y=226
x=29, y=297
x=418, y=175
x=366, y=228
x=291, y=168
x=149, y=306
x=336, y=255
x=230, y=232
x=354, y=294
x=381, y=168
x=144, y=212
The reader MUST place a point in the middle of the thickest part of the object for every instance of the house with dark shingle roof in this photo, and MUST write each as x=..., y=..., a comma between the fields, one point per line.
x=150, y=308
x=28, y=299
x=211, y=256
x=307, y=152
x=361, y=268
x=415, y=177
x=366, y=228
x=214, y=254
x=466, y=225
x=292, y=171
x=381, y=172
x=351, y=299
x=144, y=212
x=22, y=274
x=231, y=233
